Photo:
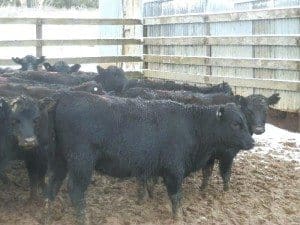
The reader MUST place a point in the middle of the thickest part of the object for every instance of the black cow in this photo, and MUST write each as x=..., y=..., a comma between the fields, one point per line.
x=172, y=86
x=6, y=70
x=134, y=138
x=39, y=92
x=29, y=62
x=24, y=134
x=254, y=108
x=187, y=97
x=112, y=78
x=62, y=67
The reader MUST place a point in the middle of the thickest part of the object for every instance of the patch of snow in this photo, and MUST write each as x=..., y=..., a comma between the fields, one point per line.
x=278, y=143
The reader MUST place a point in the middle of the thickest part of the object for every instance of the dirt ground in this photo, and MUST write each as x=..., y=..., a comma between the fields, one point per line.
x=265, y=189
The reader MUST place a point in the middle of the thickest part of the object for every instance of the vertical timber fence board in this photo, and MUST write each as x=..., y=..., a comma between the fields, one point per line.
x=39, y=37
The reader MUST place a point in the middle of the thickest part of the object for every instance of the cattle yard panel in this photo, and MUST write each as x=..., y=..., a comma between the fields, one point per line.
x=255, y=51
x=39, y=42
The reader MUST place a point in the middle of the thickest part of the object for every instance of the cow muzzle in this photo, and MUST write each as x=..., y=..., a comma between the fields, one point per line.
x=258, y=130
x=28, y=143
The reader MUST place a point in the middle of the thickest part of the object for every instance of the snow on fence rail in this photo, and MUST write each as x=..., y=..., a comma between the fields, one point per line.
x=255, y=51
x=39, y=42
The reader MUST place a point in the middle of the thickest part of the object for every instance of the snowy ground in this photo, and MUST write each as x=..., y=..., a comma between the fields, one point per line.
x=278, y=143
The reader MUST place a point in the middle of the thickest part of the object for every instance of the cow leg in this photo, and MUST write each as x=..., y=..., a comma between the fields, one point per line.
x=225, y=165
x=3, y=177
x=142, y=190
x=150, y=186
x=80, y=174
x=32, y=170
x=57, y=174
x=173, y=184
x=207, y=172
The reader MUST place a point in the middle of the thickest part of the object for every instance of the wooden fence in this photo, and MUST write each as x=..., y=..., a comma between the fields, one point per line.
x=39, y=42
x=255, y=51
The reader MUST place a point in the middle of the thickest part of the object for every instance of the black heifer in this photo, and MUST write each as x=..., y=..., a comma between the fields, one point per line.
x=172, y=86
x=6, y=70
x=187, y=97
x=29, y=62
x=62, y=67
x=255, y=109
x=24, y=134
x=112, y=78
x=133, y=138
x=39, y=92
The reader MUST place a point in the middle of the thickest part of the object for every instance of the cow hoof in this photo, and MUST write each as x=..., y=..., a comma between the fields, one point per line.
x=178, y=216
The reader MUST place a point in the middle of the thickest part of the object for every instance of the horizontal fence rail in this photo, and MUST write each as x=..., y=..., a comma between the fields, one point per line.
x=225, y=17
x=68, y=21
x=86, y=60
x=66, y=42
x=228, y=62
x=235, y=81
x=287, y=40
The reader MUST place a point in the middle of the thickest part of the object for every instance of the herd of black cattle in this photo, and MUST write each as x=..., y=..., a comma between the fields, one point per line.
x=68, y=121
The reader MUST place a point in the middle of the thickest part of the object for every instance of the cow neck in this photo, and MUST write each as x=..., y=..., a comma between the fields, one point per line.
x=205, y=124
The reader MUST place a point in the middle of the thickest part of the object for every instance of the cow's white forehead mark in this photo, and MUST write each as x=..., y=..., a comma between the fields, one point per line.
x=95, y=89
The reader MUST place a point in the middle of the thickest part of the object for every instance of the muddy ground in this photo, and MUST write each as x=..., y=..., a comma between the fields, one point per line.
x=265, y=189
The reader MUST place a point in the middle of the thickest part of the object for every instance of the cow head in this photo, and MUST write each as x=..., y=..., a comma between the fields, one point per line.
x=255, y=108
x=112, y=79
x=28, y=122
x=62, y=67
x=233, y=127
x=29, y=62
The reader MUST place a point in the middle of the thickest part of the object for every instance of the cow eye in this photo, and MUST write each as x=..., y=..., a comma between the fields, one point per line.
x=36, y=120
x=236, y=126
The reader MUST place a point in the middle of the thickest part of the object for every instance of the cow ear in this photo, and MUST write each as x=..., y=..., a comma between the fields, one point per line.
x=75, y=68
x=240, y=101
x=17, y=60
x=100, y=70
x=273, y=99
x=220, y=113
x=47, y=66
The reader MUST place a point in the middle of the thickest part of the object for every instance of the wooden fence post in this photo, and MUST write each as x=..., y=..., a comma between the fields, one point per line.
x=145, y=47
x=207, y=45
x=39, y=37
